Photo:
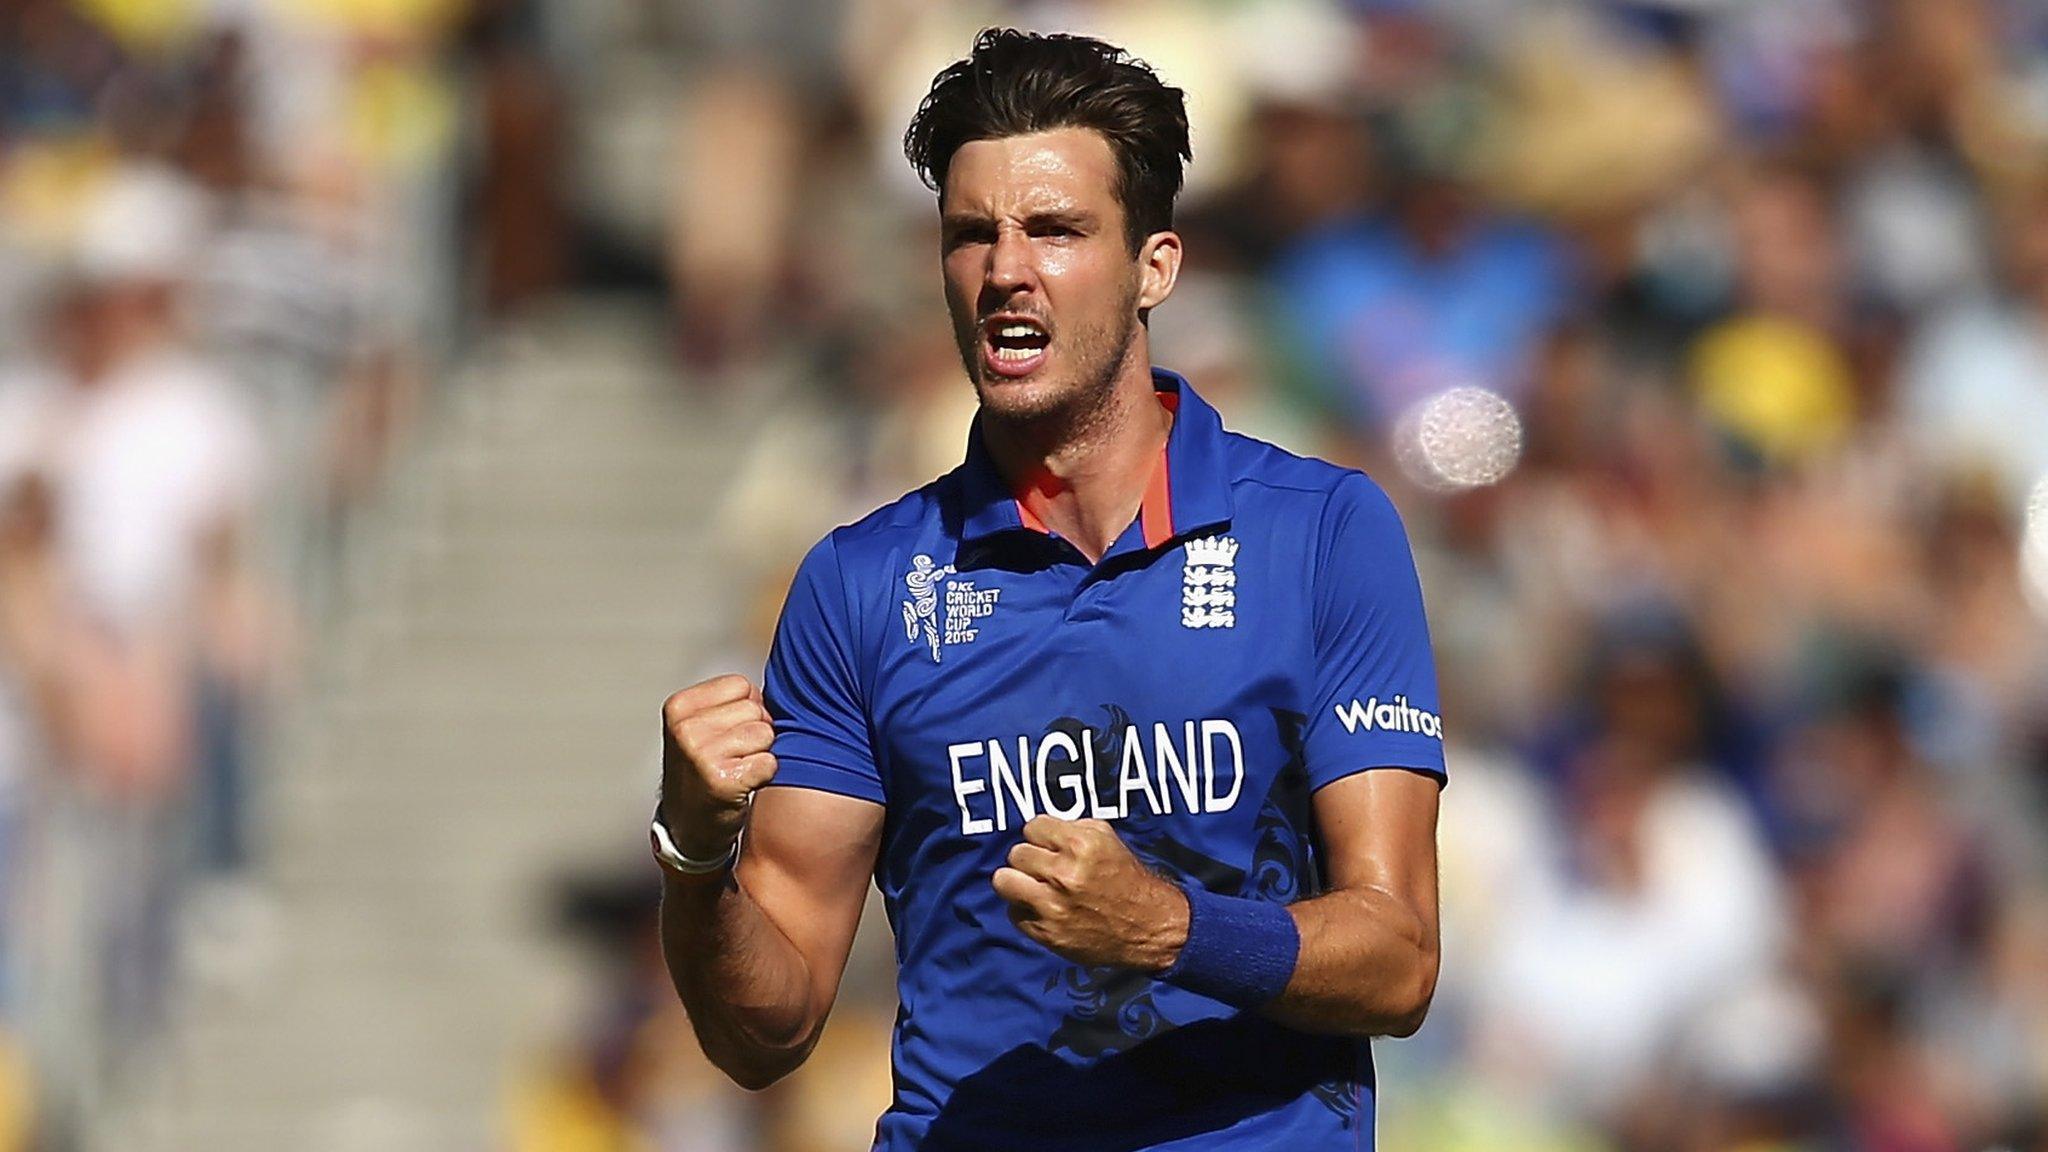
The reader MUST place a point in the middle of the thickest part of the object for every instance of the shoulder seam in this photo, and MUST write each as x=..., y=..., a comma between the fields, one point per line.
x=1291, y=461
x=1322, y=489
x=853, y=619
x=1320, y=558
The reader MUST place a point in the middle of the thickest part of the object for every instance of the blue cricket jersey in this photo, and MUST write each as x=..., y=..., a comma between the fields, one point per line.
x=1255, y=634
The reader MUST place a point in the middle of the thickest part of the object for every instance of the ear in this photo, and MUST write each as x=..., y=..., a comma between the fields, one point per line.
x=1158, y=269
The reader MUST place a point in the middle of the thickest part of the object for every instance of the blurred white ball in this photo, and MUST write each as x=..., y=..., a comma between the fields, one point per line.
x=1457, y=439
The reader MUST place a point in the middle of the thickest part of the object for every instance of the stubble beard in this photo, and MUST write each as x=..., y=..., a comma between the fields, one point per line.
x=1068, y=412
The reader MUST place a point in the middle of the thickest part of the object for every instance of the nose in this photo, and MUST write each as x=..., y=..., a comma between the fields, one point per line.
x=1011, y=267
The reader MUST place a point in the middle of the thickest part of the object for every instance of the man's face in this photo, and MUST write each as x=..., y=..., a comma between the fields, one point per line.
x=1043, y=288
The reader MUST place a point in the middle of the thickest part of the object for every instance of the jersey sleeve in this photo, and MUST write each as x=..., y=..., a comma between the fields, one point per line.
x=812, y=687
x=1375, y=697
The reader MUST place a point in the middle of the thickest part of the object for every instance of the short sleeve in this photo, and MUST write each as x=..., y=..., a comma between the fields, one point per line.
x=813, y=691
x=1375, y=697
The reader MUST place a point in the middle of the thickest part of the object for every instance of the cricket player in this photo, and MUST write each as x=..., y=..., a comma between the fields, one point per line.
x=1133, y=720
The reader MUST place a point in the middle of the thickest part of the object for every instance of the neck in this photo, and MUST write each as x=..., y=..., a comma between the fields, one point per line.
x=1083, y=474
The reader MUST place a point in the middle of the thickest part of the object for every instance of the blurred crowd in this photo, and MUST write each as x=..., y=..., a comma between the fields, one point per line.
x=1733, y=528
x=1702, y=343
x=230, y=252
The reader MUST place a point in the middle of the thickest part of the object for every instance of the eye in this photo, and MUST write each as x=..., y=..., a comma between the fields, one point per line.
x=968, y=234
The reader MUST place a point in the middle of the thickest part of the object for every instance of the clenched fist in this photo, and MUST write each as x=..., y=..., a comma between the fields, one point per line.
x=1073, y=886
x=715, y=740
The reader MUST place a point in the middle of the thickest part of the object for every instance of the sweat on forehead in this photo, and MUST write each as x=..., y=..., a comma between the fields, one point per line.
x=1061, y=171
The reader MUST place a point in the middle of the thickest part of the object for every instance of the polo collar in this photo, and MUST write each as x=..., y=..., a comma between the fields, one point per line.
x=1189, y=490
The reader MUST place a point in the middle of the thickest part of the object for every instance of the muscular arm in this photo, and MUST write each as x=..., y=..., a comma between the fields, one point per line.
x=1368, y=959
x=757, y=956
x=1369, y=949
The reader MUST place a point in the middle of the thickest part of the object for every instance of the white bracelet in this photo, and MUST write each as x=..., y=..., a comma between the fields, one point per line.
x=670, y=857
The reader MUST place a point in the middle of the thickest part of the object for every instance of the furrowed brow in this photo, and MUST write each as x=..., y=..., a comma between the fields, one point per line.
x=953, y=222
x=1076, y=219
x=959, y=223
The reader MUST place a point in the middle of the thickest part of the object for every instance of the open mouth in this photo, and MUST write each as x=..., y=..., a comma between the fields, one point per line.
x=1013, y=345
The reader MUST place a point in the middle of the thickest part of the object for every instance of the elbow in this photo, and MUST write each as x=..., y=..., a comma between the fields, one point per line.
x=1408, y=1023
x=1408, y=1005
x=747, y=1059
x=749, y=1055
x=755, y=1075
x=755, y=1067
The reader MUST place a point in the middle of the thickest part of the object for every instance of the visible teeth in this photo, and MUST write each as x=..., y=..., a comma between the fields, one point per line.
x=1018, y=331
x=1015, y=353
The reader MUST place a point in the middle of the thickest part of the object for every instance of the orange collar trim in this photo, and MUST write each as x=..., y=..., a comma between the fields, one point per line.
x=1155, y=510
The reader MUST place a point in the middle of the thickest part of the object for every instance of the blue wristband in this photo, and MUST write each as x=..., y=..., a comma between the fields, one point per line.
x=1241, y=952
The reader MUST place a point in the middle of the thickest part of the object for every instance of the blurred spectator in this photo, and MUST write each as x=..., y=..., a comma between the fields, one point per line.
x=153, y=446
x=1772, y=377
x=211, y=308
x=1974, y=379
x=732, y=227
x=1439, y=291
x=521, y=234
x=1649, y=896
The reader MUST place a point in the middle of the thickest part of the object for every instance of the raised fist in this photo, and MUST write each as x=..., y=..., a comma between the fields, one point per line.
x=715, y=741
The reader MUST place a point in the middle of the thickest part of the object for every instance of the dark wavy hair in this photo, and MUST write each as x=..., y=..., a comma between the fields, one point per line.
x=1015, y=83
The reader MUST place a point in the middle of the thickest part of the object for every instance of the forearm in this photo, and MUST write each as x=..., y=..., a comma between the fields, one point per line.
x=746, y=987
x=1367, y=966
x=1358, y=960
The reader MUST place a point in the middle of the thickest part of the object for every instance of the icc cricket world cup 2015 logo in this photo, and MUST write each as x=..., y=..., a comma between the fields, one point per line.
x=921, y=611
